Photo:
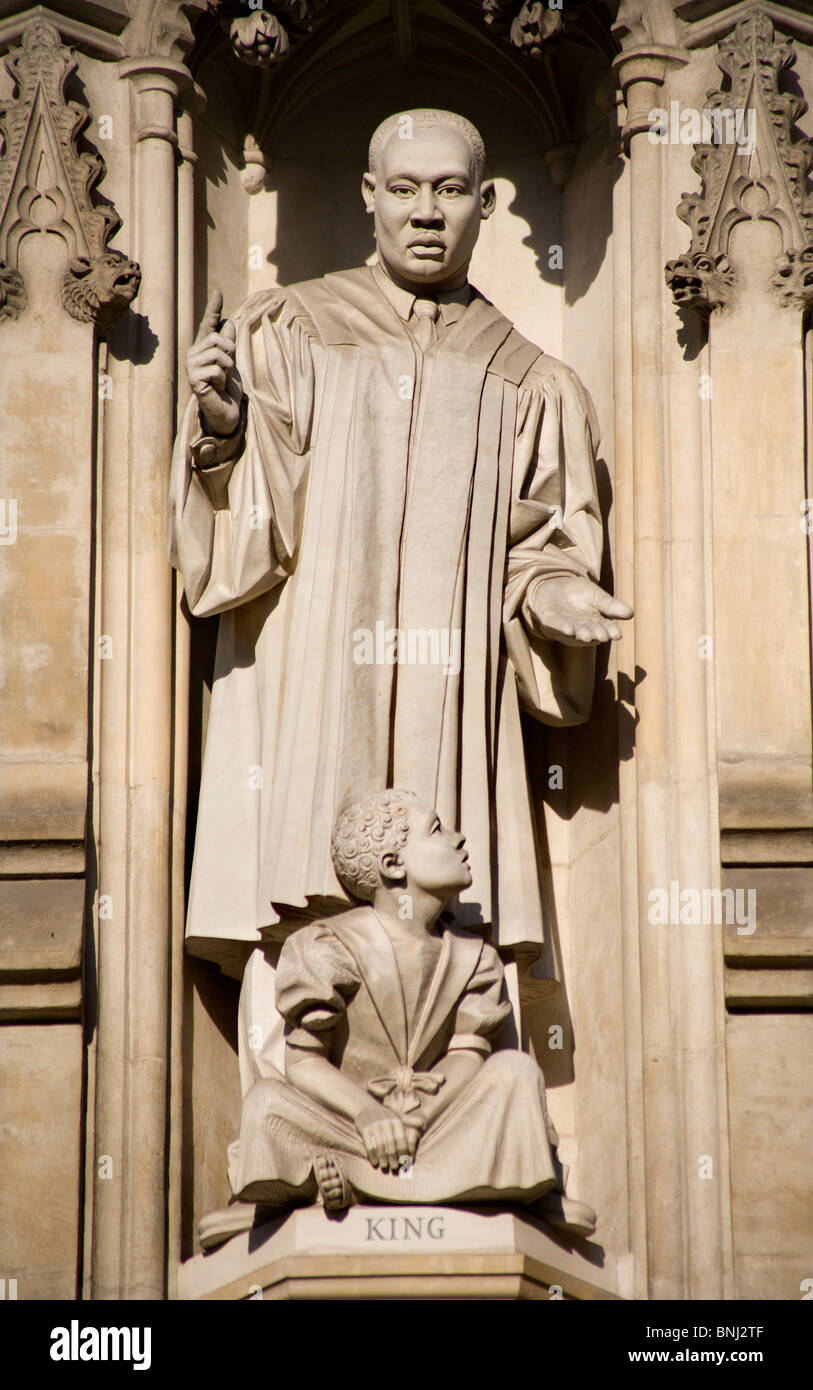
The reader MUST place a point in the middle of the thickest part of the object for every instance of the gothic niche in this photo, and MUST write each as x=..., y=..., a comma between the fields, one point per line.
x=46, y=185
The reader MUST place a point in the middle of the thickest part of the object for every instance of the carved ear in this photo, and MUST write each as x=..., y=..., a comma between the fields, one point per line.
x=79, y=267
x=392, y=866
x=368, y=191
x=488, y=196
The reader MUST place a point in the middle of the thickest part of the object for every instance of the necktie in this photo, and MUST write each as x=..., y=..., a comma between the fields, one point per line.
x=425, y=311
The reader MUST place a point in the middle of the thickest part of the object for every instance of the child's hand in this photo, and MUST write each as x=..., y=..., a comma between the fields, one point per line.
x=386, y=1138
x=414, y=1124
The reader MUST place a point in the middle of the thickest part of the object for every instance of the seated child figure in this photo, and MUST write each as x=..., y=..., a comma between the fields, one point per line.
x=392, y=1092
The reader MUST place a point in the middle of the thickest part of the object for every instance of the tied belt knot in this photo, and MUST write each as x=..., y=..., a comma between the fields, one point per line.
x=401, y=1090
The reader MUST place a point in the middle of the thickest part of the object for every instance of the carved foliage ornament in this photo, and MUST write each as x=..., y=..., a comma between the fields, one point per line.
x=531, y=26
x=263, y=36
x=527, y=26
x=751, y=168
x=47, y=186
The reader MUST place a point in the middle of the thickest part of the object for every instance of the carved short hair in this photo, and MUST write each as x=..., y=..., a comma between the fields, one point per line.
x=425, y=118
x=364, y=830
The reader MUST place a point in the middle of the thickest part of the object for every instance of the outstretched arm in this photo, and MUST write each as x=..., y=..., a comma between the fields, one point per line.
x=555, y=611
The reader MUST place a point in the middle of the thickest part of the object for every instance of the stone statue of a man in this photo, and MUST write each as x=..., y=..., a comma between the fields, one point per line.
x=388, y=495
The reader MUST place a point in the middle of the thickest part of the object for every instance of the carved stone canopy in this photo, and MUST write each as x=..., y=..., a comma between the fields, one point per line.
x=47, y=185
x=264, y=37
x=761, y=178
x=544, y=59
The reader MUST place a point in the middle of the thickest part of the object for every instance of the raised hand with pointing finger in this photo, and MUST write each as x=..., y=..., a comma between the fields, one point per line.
x=210, y=369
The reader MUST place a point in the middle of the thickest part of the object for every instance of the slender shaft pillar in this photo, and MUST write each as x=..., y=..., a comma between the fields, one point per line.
x=136, y=717
x=185, y=336
x=676, y=1090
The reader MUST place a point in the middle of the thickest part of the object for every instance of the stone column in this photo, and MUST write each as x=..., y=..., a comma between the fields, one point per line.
x=136, y=728
x=675, y=1018
x=186, y=332
x=744, y=282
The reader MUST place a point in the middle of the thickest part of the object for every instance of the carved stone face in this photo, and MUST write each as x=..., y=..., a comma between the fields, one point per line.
x=435, y=859
x=428, y=207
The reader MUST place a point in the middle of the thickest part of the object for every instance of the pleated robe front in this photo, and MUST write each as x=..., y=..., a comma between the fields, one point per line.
x=378, y=485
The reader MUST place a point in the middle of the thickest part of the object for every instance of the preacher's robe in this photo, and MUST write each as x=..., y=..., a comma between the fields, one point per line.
x=376, y=484
x=345, y=997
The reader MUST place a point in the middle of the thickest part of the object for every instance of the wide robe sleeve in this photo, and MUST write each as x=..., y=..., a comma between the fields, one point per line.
x=316, y=976
x=554, y=529
x=236, y=505
x=483, y=1008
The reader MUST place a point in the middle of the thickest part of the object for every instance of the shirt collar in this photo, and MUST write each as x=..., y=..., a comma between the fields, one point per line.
x=452, y=303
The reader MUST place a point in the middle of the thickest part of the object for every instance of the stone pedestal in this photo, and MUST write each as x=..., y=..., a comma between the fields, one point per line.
x=400, y=1252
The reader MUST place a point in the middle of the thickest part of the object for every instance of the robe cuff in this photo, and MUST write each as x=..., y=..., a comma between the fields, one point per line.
x=300, y=1040
x=214, y=456
x=215, y=483
x=471, y=1042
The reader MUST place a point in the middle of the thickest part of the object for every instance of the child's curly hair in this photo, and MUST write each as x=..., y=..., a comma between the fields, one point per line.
x=364, y=830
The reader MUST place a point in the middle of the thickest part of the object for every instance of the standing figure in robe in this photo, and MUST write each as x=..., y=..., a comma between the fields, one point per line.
x=390, y=1067
x=388, y=496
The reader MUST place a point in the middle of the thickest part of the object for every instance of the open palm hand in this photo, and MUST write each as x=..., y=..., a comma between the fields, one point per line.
x=573, y=610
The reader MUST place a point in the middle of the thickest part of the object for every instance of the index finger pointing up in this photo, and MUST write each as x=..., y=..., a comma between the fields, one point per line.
x=211, y=314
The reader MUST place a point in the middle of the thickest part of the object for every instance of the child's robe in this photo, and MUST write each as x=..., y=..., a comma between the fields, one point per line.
x=341, y=995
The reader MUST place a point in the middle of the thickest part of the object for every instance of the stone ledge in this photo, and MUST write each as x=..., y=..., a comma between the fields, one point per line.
x=51, y=999
x=42, y=800
x=93, y=25
x=452, y=1254
x=704, y=22
x=747, y=987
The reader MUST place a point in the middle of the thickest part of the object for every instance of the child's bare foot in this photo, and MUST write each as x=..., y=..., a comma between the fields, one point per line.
x=334, y=1188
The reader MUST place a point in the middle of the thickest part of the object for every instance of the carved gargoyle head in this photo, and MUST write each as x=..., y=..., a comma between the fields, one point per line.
x=98, y=290
x=700, y=281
